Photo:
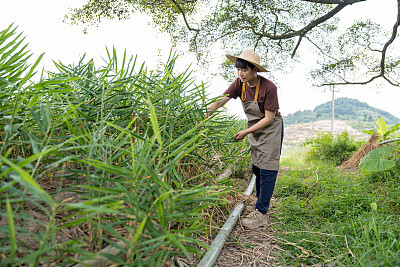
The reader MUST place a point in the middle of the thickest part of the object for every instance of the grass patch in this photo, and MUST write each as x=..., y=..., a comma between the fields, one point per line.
x=345, y=219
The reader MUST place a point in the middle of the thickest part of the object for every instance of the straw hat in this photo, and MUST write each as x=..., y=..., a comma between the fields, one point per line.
x=249, y=56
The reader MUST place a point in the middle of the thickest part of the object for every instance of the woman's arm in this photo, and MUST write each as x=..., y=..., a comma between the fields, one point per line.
x=216, y=105
x=269, y=117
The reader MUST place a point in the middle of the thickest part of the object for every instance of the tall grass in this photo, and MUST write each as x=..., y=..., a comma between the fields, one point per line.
x=115, y=157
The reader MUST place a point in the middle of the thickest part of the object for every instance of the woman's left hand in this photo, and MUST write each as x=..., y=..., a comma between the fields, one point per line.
x=240, y=135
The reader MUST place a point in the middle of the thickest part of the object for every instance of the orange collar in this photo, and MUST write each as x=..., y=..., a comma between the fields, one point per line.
x=257, y=89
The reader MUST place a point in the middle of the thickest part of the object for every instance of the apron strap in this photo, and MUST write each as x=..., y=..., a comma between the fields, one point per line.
x=257, y=89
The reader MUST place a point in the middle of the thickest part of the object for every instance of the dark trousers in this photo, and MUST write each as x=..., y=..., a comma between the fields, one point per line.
x=265, y=184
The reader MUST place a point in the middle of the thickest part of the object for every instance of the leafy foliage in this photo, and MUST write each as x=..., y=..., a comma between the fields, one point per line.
x=276, y=29
x=327, y=148
x=112, y=157
x=383, y=130
x=386, y=176
x=377, y=159
x=382, y=158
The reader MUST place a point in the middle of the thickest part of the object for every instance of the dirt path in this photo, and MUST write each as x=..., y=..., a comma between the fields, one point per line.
x=246, y=247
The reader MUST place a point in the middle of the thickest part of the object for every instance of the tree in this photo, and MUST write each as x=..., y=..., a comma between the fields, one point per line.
x=277, y=29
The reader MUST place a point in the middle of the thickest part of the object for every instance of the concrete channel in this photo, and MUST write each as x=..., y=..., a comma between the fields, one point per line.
x=213, y=252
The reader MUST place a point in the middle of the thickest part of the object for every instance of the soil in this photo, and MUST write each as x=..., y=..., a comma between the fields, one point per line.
x=251, y=247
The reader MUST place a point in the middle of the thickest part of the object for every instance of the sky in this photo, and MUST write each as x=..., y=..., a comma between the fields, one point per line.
x=41, y=21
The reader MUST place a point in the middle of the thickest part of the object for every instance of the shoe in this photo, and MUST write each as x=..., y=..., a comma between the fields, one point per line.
x=255, y=219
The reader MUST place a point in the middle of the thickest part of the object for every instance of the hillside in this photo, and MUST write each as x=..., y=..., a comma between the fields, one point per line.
x=346, y=109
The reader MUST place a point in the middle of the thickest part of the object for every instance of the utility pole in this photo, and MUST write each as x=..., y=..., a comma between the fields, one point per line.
x=333, y=106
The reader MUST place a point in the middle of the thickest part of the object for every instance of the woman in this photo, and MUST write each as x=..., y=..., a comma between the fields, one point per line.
x=265, y=128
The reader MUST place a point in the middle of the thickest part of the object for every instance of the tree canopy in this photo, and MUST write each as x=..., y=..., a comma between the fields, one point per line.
x=276, y=29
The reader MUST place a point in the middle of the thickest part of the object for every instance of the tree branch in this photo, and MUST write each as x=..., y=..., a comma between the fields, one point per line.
x=363, y=82
x=392, y=38
x=353, y=83
x=335, y=2
x=184, y=16
x=389, y=141
x=383, y=58
x=308, y=27
x=297, y=46
x=320, y=49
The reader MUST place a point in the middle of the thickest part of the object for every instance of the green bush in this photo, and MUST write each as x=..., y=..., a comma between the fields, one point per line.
x=330, y=149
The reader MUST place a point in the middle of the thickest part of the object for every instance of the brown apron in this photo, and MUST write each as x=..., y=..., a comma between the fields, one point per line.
x=266, y=142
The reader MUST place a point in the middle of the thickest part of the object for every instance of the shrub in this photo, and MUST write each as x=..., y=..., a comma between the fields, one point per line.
x=327, y=148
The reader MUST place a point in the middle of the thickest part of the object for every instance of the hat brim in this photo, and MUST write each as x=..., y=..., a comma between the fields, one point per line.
x=258, y=66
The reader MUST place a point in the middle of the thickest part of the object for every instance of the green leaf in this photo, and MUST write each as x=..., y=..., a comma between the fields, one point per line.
x=125, y=131
x=139, y=230
x=13, y=242
x=162, y=197
x=26, y=180
x=74, y=222
x=62, y=81
x=45, y=112
x=48, y=114
x=160, y=211
x=30, y=74
x=101, y=189
x=369, y=131
x=154, y=122
x=186, y=134
x=376, y=160
x=393, y=128
x=382, y=129
x=107, y=167
x=33, y=101
x=38, y=121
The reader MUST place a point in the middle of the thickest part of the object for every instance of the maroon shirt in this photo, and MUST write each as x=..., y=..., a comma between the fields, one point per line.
x=267, y=95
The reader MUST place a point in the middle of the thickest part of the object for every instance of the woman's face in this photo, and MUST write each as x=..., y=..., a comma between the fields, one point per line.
x=247, y=75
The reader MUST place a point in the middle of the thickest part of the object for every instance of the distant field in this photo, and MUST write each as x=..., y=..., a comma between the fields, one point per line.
x=298, y=133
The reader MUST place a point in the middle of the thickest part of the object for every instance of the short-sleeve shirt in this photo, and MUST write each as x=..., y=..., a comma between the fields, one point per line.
x=267, y=95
